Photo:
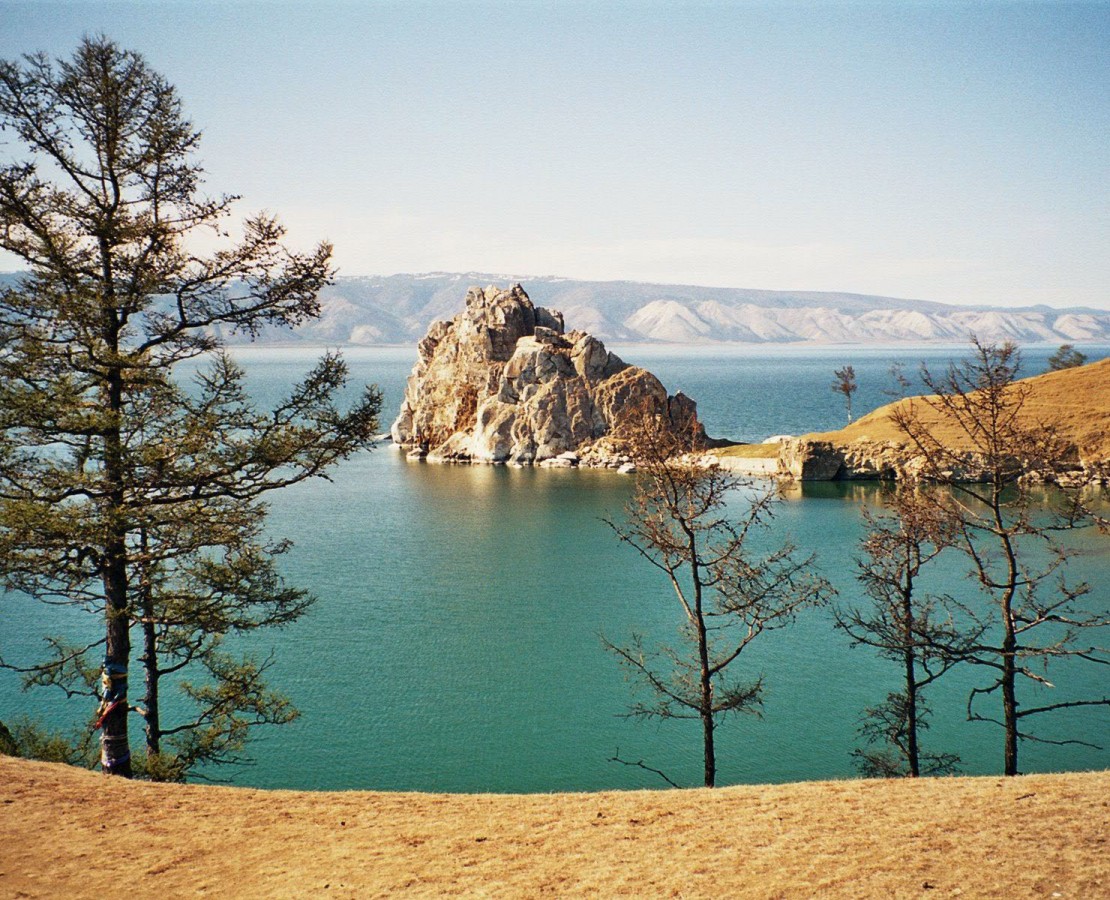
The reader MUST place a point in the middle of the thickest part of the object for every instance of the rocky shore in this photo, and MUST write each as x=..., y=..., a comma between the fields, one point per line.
x=806, y=459
x=820, y=458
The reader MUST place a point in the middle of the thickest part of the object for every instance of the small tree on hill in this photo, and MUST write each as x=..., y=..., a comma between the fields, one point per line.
x=122, y=494
x=845, y=384
x=901, y=384
x=1007, y=526
x=1067, y=357
x=727, y=593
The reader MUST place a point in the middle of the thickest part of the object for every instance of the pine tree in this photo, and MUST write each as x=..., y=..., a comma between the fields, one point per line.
x=122, y=492
x=1066, y=357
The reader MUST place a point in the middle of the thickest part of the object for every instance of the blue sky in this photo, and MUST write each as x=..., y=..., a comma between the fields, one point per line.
x=940, y=150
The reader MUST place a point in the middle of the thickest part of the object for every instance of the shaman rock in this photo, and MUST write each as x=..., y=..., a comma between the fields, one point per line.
x=502, y=382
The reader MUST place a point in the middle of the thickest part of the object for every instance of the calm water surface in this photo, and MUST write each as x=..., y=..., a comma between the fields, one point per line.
x=455, y=644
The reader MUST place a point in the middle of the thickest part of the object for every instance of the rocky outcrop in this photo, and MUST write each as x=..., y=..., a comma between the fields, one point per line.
x=810, y=460
x=502, y=382
x=803, y=459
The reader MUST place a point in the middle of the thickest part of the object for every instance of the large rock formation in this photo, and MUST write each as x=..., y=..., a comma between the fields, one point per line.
x=501, y=382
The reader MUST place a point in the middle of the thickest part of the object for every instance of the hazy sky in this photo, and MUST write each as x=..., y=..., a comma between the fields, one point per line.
x=940, y=150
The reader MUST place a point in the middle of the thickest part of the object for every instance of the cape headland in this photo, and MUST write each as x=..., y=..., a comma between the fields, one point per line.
x=1074, y=402
x=504, y=382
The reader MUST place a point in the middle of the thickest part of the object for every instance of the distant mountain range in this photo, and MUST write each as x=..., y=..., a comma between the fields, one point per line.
x=396, y=309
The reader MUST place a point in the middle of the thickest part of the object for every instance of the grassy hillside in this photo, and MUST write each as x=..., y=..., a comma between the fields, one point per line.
x=1076, y=400
x=73, y=833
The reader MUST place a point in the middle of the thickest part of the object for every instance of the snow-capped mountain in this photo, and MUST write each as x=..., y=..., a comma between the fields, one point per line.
x=396, y=309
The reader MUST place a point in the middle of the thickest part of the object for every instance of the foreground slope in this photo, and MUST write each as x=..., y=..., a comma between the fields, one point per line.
x=72, y=833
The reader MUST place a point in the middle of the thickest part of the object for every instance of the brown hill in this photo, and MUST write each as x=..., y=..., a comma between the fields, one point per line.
x=71, y=833
x=1076, y=401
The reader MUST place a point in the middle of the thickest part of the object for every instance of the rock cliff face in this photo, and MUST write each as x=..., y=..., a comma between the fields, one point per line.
x=801, y=459
x=503, y=383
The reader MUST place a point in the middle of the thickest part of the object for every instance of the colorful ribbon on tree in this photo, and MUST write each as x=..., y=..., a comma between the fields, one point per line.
x=114, y=750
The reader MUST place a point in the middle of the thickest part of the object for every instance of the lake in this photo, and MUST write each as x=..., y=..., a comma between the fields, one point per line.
x=455, y=643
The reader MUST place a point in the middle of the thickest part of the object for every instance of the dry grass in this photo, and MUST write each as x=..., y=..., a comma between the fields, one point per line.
x=70, y=833
x=748, y=451
x=1076, y=401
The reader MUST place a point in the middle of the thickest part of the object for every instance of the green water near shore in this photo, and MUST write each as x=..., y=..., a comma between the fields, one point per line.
x=455, y=644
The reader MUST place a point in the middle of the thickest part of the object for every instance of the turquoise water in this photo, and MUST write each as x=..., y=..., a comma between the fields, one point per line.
x=455, y=644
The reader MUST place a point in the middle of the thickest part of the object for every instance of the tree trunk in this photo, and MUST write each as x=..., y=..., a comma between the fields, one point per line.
x=1009, y=700
x=149, y=658
x=150, y=665
x=707, y=722
x=706, y=680
x=911, y=676
x=710, y=753
x=115, y=749
x=911, y=718
x=1009, y=640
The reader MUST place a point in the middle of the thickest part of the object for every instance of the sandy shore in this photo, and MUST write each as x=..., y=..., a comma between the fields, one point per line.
x=71, y=833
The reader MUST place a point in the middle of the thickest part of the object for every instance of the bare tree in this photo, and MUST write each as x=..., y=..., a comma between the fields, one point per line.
x=845, y=384
x=975, y=435
x=727, y=594
x=901, y=384
x=918, y=632
x=886, y=730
